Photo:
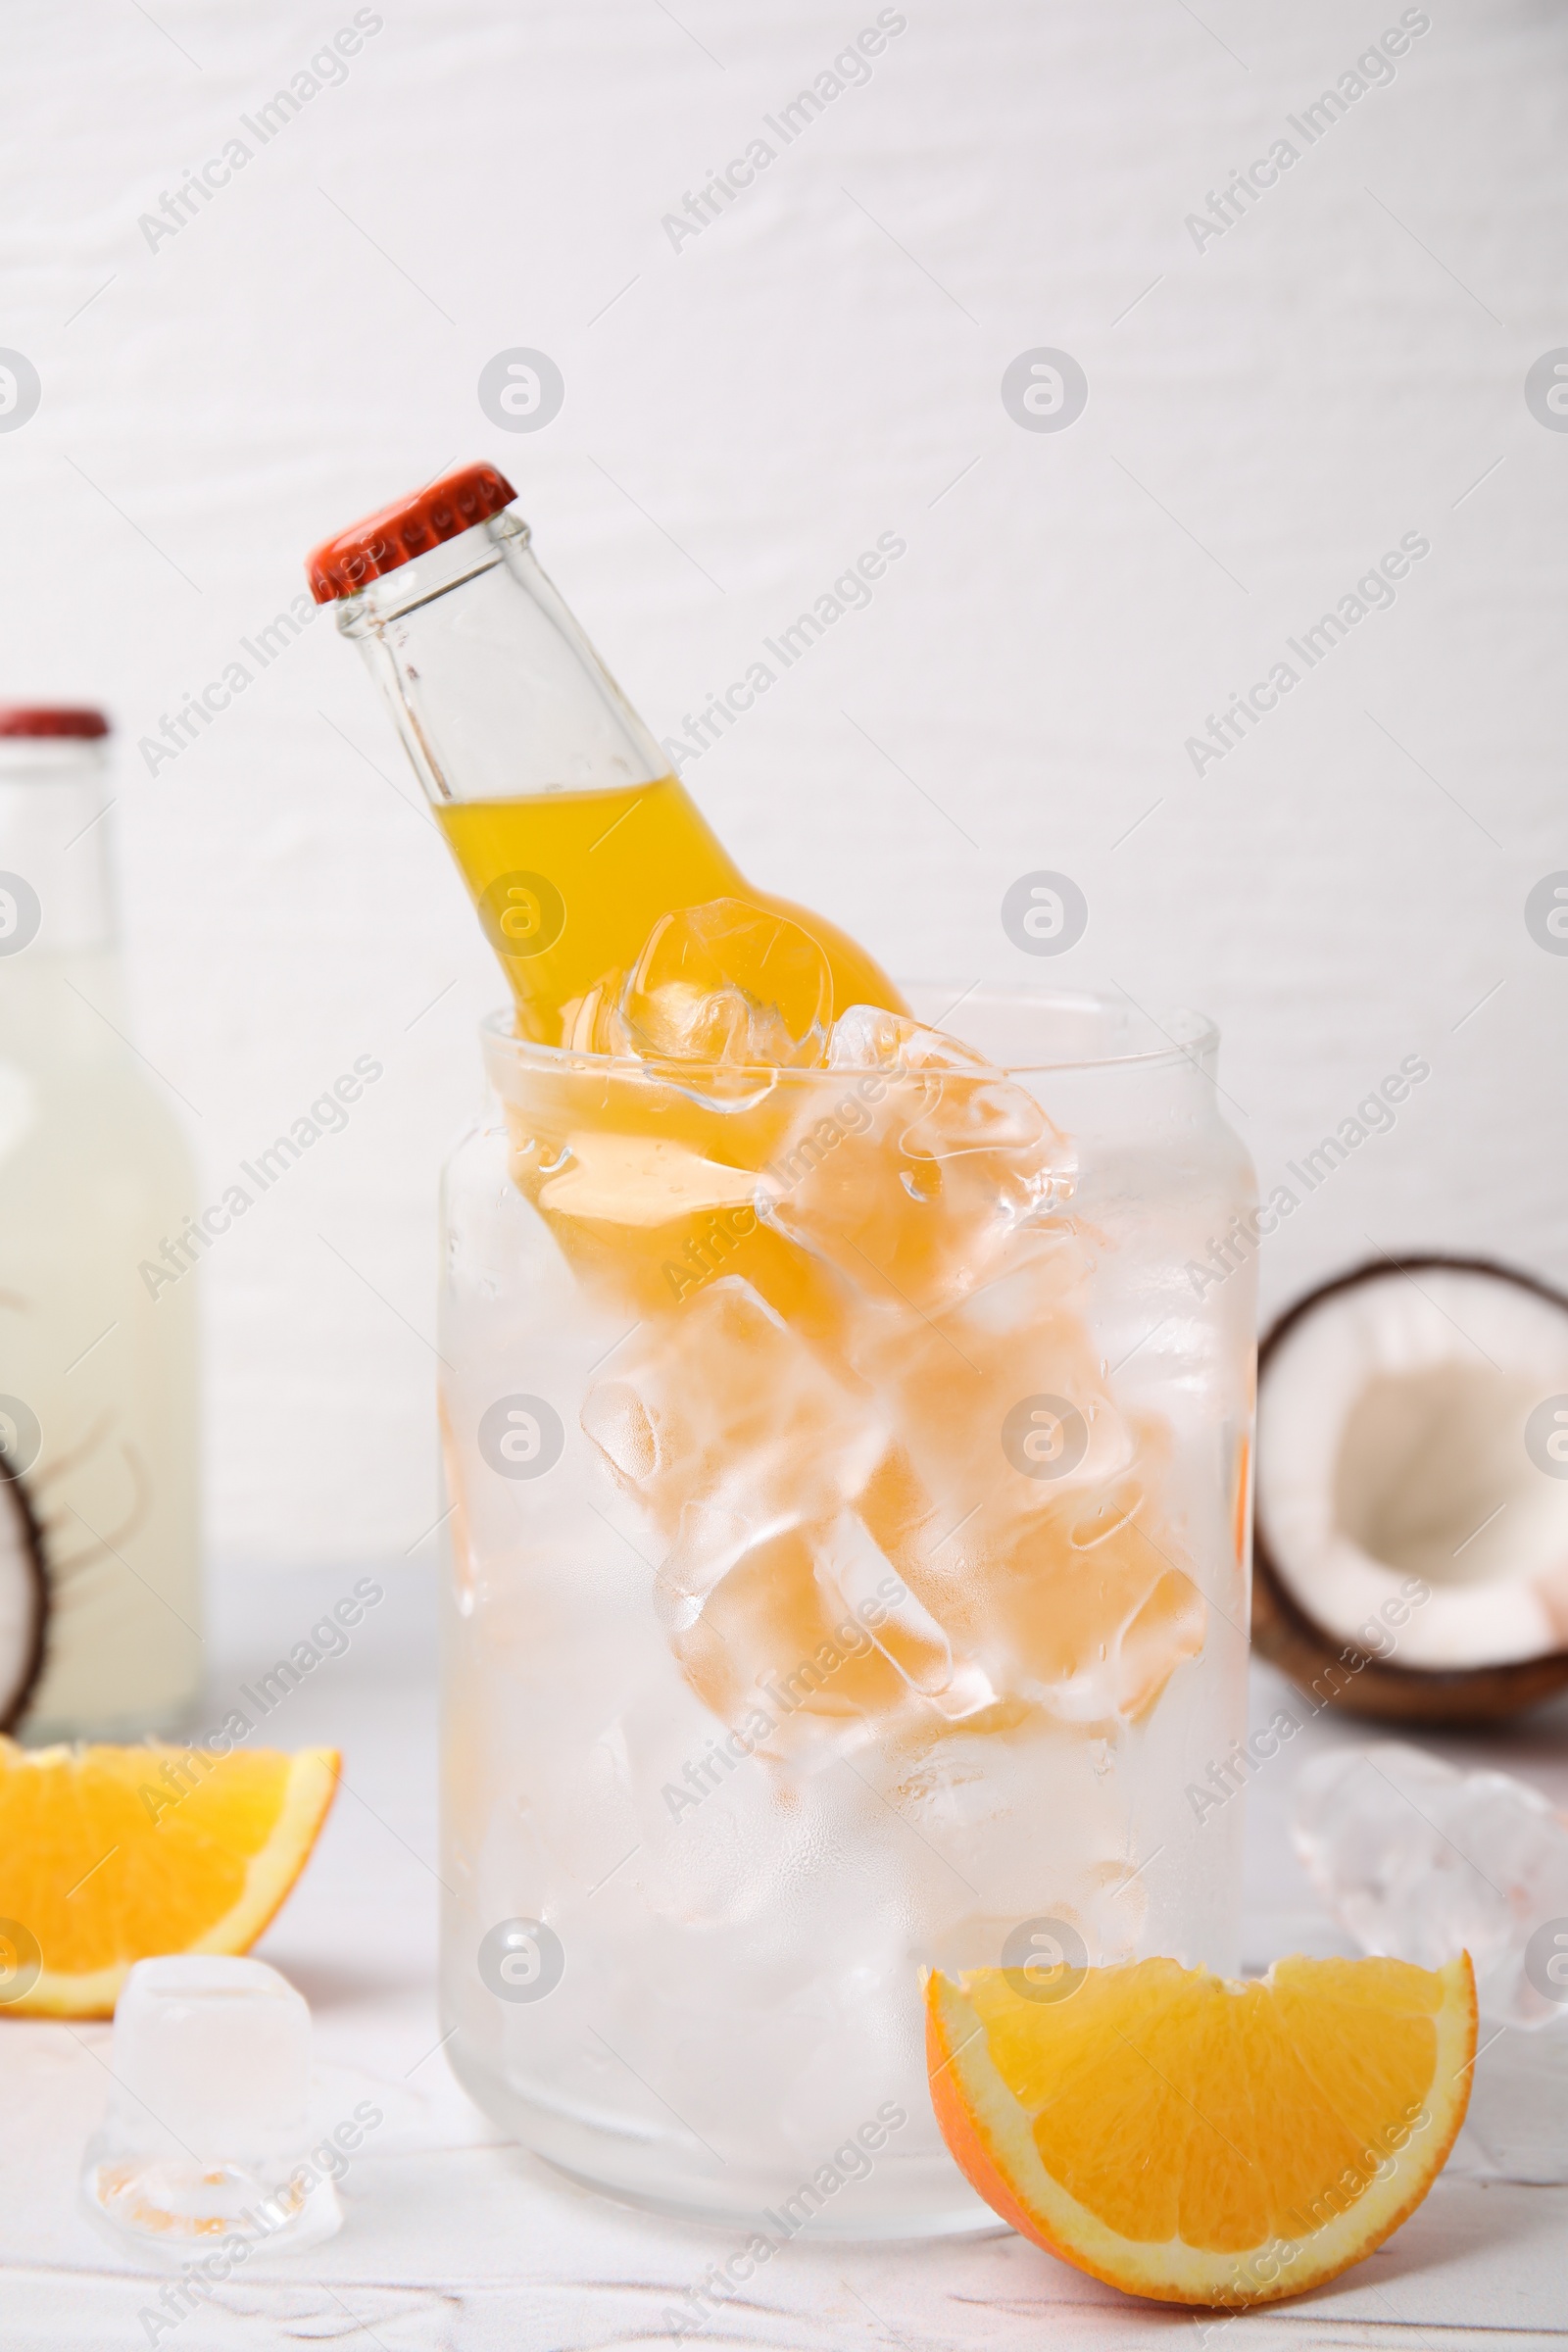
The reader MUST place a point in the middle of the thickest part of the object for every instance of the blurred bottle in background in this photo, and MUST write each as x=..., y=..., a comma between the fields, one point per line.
x=98, y=1405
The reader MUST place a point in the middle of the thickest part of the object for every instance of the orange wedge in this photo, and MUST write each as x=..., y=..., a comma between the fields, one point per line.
x=111, y=1854
x=1196, y=2140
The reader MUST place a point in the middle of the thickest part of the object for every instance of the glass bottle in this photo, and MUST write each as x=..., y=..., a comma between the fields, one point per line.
x=558, y=805
x=98, y=1432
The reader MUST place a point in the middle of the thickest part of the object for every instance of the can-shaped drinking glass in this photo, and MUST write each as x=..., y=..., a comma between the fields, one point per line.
x=848, y=1473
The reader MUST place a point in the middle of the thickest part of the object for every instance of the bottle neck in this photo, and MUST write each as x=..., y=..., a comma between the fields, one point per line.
x=55, y=895
x=495, y=690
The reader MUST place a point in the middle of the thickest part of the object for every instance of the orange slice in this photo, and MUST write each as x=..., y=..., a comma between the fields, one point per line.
x=111, y=1854
x=1196, y=2140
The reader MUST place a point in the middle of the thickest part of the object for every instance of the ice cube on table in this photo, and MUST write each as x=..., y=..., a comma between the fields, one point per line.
x=207, y=2122
x=1421, y=1861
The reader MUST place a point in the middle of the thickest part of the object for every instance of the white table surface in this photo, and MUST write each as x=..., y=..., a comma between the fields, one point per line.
x=455, y=2241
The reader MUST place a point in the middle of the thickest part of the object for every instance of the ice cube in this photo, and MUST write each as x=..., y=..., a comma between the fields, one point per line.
x=896, y=1625
x=208, y=2123
x=723, y=1405
x=776, y=1653
x=726, y=982
x=851, y=1567
x=786, y=1499
x=710, y=1544
x=913, y=1178
x=640, y=1180
x=1421, y=1861
x=1022, y=1507
x=649, y=1189
x=1088, y=1626
x=591, y=1023
x=965, y=1386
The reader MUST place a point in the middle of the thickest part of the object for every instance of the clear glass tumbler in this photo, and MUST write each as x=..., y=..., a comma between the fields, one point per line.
x=848, y=1473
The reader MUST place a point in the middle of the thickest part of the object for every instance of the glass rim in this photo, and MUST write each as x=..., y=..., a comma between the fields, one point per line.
x=1188, y=1036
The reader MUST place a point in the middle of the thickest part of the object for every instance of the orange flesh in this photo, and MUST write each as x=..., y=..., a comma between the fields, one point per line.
x=109, y=1855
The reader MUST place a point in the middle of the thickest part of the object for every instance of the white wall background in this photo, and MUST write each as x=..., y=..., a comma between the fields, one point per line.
x=742, y=416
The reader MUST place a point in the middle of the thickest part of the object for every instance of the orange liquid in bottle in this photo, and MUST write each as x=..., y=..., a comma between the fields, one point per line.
x=570, y=884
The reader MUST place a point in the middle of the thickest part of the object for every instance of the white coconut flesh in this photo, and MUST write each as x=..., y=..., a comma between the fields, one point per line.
x=20, y=1600
x=1390, y=1447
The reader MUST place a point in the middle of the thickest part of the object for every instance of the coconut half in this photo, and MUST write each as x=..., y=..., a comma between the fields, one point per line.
x=23, y=1598
x=1411, y=1510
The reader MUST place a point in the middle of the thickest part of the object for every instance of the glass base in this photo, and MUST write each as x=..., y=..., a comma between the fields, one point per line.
x=968, y=2217
x=906, y=2197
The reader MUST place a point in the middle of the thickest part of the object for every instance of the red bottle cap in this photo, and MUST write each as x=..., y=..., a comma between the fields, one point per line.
x=411, y=526
x=51, y=718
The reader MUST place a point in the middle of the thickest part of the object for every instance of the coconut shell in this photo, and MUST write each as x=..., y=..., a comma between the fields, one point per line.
x=1337, y=1673
x=21, y=1555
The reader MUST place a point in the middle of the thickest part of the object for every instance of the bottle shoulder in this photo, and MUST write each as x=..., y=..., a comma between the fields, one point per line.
x=64, y=1015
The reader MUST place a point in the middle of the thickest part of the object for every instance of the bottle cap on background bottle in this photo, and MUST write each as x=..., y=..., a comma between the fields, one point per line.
x=411, y=526
x=51, y=718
